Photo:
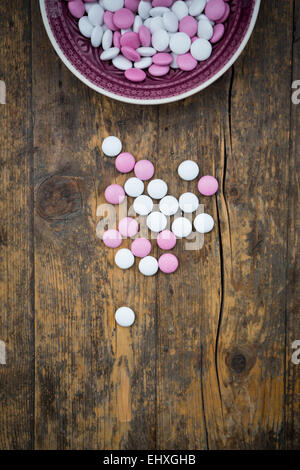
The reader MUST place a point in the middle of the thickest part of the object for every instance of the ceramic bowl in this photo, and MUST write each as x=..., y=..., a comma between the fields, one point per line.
x=83, y=60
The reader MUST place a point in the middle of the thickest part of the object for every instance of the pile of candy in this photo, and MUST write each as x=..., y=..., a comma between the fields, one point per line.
x=156, y=220
x=155, y=35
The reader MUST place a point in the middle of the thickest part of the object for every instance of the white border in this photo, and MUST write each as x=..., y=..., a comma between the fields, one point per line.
x=148, y=102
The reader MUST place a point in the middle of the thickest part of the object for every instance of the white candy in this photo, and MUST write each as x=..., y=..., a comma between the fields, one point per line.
x=157, y=189
x=188, y=170
x=188, y=202
x=160, y=40
x=156, y=221
x=180, y=43
x=174, y=64
x=124, y=259
x=85, y=27
x=121, y=63
x=204, y=223
x=134, y=187
x=146, y=51
x=88, y=6
x=110, y=53
x=168, y=205
x=205, y=30
x=144, y=9
x=107, y=39
x=148, y=266
x=170, y=22
x=180, y=9
x=158, y=11
x=201, y=49
x=144, y=63
x=197, y=7
x=204, y=17
x=125, y=316
x=156, y=24
x=113, y=5
x=181, y=227
x=143, y=205
x=111, y=146
x=137, y=24
x=95, y=15
x=96, y=36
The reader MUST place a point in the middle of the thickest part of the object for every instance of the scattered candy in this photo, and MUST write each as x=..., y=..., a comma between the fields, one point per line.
x=129, y=31
x=141, y=247
x=181, y=227
x=111, y=146
x=114, y=194
x=208, y=185
x=112, y=238
x=143, y=205
x=134, y=187
x=188, y=203
x=166, y=240
x=204, y=223
x=188, y=170
x=124, y=259
x=168, y=205
x=125, y=316
x=156, y=221
x=144, y=170
x=168, y=263
x=128, y=227
x=148, y=266
x=157, y=189
x=125, y=162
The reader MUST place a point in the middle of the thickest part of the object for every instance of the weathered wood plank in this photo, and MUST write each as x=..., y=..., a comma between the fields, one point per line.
x=253, y=210
x=95, y=384
x=16, y=319
x=293, y=231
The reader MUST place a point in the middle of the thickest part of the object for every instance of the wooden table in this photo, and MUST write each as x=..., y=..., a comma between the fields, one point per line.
x=208, y=362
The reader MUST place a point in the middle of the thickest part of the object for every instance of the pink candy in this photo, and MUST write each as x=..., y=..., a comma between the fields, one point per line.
x=130, y=53
x=130, y=39
x=144, y=170
x=188, y=25
x=112, y=238
x=158, y=70
x=108, y=21
x=166, y=240
x=125, y=162
x=135, y=75
x=215, y=9
x=114, y=194
x=123, y=18
x=145, y=36
x=218, y=33
x=132, y=4
x=141, y=247
x=128, y=227
x=186, y=62
x=168, y=263
x=76, y=8
x=208, y=185
x=162, y=58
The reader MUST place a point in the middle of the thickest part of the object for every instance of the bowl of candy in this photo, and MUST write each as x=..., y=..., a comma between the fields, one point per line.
x=149, y=51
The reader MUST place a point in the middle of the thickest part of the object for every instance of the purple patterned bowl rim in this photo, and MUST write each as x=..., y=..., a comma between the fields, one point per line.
x=155, y=101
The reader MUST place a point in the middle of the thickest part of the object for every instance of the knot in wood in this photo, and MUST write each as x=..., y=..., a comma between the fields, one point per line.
x=58, y=197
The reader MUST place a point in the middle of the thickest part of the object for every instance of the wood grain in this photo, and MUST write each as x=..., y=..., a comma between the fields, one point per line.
x=16, y=300
x=207, y=364
x=293, y=248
